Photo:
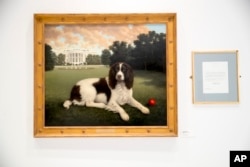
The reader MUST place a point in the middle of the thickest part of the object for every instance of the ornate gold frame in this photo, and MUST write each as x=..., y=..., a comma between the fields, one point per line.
x=40, y=130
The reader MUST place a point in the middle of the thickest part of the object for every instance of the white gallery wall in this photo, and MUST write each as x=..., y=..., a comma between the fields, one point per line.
x=206, y=132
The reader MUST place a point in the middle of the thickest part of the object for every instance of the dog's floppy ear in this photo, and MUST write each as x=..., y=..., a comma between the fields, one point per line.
x=129, y=76
x=112, y=73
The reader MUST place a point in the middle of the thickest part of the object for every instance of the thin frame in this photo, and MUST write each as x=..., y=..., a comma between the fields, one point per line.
x=215, y=77
x=41, y=130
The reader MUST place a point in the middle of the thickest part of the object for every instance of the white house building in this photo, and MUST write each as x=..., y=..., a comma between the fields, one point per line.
x=76, y=57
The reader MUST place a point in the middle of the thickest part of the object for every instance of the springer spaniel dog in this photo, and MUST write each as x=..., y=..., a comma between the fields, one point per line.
x=107, y=93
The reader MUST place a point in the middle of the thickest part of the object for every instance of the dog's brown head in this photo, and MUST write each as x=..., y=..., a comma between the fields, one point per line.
x=121, y=72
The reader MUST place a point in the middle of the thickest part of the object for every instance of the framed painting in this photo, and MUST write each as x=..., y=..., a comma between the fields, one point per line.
x=75, y=57
x=215, y=77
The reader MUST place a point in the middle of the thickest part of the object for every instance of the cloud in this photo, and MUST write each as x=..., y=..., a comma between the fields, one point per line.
x=62, y=37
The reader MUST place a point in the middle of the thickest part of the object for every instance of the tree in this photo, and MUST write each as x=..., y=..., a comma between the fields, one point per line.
x=150, y=51
x=61, y=59
x=49, y=60
x=160, y=51
x=93, y=59
x=141, y=51
x=105, y=57
x=121, y=51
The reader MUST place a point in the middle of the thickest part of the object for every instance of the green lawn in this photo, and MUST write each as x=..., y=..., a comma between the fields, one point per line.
x=58, y=84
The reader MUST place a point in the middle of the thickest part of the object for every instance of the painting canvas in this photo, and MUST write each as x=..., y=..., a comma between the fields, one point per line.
x=76, y=52
x=86, y=49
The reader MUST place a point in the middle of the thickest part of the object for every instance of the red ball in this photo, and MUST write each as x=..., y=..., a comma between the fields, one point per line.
x=151, y=102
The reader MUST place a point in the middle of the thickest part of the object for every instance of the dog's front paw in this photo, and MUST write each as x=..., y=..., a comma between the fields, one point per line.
x=124, y=116
x=145, y=110
x=67, y=104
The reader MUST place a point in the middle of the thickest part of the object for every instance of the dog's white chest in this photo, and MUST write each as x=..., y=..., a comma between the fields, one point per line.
x=122, y=94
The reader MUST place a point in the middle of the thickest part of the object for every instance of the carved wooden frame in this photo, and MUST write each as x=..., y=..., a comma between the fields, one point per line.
x=40, y=130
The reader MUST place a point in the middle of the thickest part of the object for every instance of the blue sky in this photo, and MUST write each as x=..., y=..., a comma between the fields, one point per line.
x=158, y=28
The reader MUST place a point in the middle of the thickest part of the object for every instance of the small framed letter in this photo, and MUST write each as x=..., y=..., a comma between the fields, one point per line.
x=215, y=77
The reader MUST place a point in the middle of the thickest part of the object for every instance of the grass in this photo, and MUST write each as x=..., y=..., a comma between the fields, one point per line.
x=58, y=84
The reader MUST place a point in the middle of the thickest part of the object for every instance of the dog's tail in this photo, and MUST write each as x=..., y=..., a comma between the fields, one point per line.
x=74, y=95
